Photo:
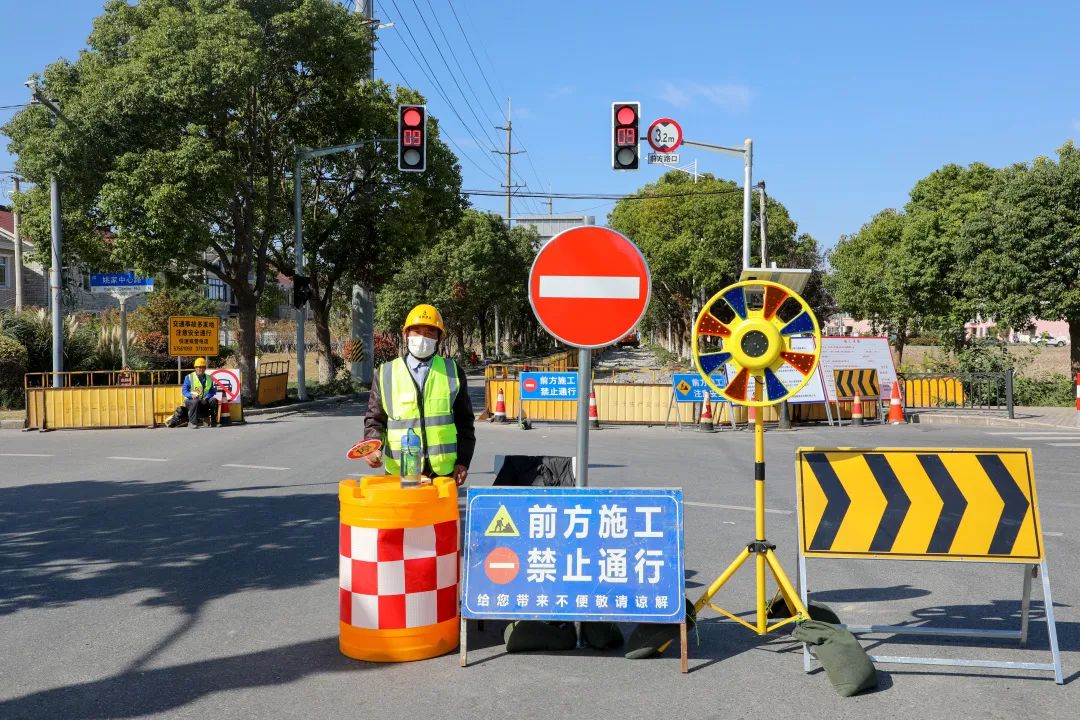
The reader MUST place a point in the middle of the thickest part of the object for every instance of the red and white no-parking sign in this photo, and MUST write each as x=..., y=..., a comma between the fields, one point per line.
x=589, y=286
x=228, y=384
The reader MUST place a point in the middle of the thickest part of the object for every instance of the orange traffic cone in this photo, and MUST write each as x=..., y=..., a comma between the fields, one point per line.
x=896, y=406
x=594, y=419
x=706, y=422
x=856, y=410
x=500, y=408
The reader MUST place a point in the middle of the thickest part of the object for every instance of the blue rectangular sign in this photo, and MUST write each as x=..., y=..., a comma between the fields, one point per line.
x=689, y=387
x=548, y=385
x=119, y=280
x=583, y=554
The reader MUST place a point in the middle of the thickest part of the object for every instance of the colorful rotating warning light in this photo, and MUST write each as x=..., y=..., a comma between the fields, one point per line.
x=760, y=331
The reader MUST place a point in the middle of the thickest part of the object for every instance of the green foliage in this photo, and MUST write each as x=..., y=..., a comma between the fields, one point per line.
x=693, y=243
x=272, y=296
x=165, y=302
x=33, y=330
x=465, y=272
x=1049, y=390
x=13, y=362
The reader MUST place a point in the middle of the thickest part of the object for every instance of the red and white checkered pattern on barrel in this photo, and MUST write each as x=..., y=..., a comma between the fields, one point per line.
x=401, y=578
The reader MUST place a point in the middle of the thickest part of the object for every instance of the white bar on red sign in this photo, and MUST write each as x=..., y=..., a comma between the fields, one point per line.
x=603, y=287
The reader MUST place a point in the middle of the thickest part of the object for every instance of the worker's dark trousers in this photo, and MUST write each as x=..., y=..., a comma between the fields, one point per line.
x=205, y=408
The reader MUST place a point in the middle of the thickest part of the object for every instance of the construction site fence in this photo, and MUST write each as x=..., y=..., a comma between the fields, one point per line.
x=648, y=404
x=106, y=398
x=273, y=379
x=559, y=362
x=984, y=392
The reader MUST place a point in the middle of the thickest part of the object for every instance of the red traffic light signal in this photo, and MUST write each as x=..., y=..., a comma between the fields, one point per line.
x=412, y=138
x=625, y=117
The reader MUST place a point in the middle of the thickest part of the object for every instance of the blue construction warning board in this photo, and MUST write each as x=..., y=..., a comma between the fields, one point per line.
x=690, y=387
x=548, y=385
x=574, y=554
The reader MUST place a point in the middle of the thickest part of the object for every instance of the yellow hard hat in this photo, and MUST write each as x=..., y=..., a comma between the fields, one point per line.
x=200, y=362
x=424, y=315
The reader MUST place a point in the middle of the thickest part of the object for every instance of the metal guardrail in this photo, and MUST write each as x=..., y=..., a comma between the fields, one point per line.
x=559, y=362
x=106, y=378
x=985, y=392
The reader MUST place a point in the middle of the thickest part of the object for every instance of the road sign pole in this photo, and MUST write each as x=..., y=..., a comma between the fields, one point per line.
x=581, y=477
x=123, y=333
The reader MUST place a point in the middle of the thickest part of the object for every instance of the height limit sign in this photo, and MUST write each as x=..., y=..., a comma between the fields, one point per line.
x=665, y=136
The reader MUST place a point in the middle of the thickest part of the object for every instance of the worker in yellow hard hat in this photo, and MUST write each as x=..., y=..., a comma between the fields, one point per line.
x=199, y=391
x=422, y=394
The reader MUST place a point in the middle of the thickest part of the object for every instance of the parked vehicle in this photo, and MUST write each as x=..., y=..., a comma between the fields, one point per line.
x=1048, y=340
x=630, y=339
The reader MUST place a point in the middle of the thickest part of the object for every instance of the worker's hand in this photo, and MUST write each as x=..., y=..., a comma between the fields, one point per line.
x=374, y=459
x=460, y=474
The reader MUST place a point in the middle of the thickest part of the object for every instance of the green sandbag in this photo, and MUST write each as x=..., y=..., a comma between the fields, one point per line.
x=652, y=639
x=525, y=635
x=601, y=635
x=846, y=663
x=818, y=611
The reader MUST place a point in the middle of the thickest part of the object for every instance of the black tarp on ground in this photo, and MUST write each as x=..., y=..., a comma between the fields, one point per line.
x=536, y=470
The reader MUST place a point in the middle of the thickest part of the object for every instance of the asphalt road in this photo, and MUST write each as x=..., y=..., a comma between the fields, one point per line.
x=192, y=574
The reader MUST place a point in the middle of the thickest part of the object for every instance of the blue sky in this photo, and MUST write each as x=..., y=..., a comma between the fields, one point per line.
x=848, y=104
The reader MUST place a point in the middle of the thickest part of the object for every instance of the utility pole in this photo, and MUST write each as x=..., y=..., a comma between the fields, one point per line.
x=18, y=251
x=56, y=276
x=747, y=154
x=763, y=225
x=509, y=153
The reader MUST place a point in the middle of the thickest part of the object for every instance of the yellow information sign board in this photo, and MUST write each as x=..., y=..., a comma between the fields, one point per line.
x=918, y=503
x=194, y=335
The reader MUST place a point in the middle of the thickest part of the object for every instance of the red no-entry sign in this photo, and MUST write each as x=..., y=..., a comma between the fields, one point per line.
x=589, y=286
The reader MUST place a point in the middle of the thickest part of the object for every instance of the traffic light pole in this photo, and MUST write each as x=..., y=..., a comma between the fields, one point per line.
x=747, y=153
x=303, y=154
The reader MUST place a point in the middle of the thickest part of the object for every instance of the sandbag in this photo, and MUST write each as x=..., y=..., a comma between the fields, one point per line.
x=652, y=639
x=602, y=635
x=846, y=663
x=525, y=635
x=818, y=611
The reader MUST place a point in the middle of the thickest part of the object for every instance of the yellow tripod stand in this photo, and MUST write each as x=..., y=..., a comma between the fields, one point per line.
x=750, y=326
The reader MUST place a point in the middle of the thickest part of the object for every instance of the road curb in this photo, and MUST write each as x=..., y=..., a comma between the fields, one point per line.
x=12, y=424
x=295, y=407
x=982, y=421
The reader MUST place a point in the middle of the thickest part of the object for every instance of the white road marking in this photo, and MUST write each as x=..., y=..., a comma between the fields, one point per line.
x=140, y=459
x=1050, y=534
x=1039, y=434
x=734, y=507
x=255, y=467
x=1063, y=444
x=604, y=287
x=25, y=455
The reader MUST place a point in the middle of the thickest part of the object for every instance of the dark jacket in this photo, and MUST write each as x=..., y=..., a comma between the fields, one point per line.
x=375, y=420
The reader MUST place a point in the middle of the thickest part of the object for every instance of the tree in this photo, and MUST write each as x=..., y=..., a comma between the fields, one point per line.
x=363, y=218
x=870, y=283
x=469, y=269
x=183, y=117
x=693, y=243
x=1023, y=252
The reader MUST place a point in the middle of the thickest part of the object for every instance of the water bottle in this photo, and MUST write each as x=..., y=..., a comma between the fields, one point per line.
x=410, y=456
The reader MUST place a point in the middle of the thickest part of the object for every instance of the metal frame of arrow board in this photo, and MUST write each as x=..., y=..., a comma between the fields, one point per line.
x=1031, y=570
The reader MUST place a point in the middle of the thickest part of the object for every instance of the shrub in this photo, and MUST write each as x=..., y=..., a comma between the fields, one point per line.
x=13, y=360
x=33, y=329
x=1051, y=390
x=161, y=304
x=385, y=348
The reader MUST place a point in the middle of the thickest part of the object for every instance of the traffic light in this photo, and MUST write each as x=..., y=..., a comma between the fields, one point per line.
x=624, y=135
x=412, y=138
x=301, y=290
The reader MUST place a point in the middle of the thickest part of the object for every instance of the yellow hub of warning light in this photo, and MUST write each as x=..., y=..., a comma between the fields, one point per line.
x=761, y=331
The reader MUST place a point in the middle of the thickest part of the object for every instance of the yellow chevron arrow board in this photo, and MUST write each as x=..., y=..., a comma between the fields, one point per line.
x=864, y=381
x=918, y=503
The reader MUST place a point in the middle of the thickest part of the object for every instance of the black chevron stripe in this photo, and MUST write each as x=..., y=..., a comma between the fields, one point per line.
x=953, y=504
x=842, y=390
x=1016, y=505
x=836, y=507
x=897, y=503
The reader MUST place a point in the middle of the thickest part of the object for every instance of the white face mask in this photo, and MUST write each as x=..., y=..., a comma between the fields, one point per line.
x=421, y=347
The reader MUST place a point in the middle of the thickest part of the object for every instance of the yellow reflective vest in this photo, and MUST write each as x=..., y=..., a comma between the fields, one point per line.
x=430, y=415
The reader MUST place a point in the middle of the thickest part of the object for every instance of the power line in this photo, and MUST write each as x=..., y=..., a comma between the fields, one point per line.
x=601, y=196
x=11, y=107
x=473, y=53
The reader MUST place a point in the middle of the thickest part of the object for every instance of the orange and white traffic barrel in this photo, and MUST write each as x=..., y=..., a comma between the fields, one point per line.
x=398, y=569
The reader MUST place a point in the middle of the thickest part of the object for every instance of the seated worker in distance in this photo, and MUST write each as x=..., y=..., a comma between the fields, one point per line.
x=199, y=391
